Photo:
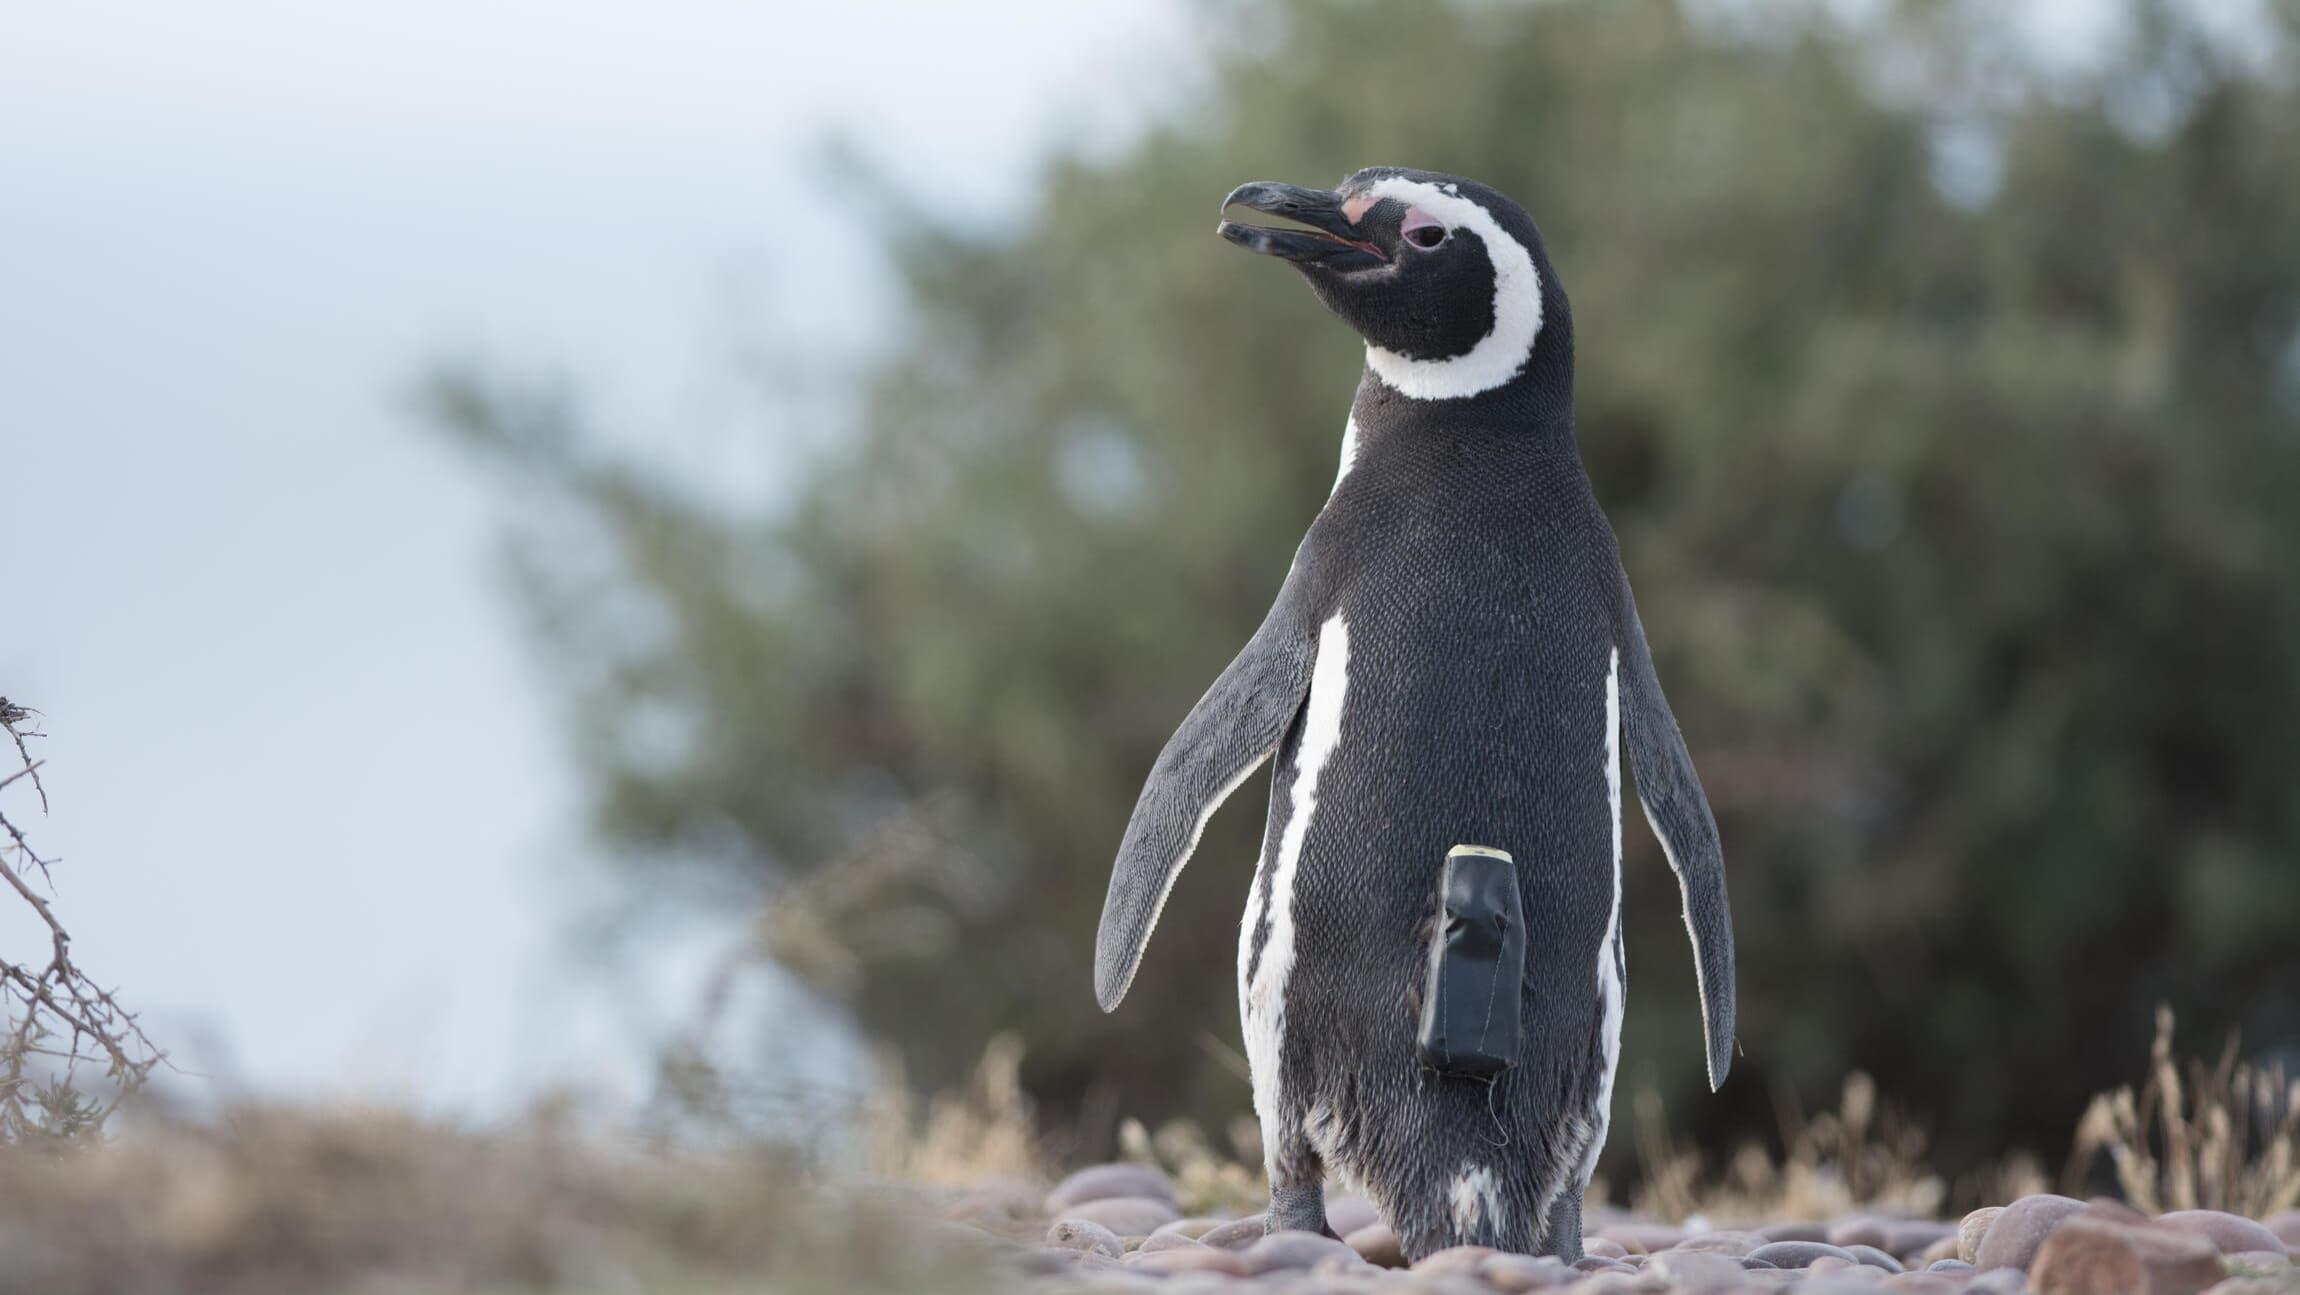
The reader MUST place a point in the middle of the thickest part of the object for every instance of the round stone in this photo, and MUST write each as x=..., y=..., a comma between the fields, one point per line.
x=1281, y=1250
x=1237, y=1234
x=1376, y=1244
x=1643, y=1238
x=1858, y=1231
x=1922, y=1283
x=1794, y=1232
x=1087, y=1235
x=2171, y=1262
x=1904, y=1237
x=2286, y=1225
x=1511, y=1274
x=1696, y=1269
x=1945, y=1248
x=1949, y=1266
x=1195, y=1226
x=1193, y=1258
x=1160, y=1241
x=1604, y=1248
x=1101, y=1182
x=1128, y=1216
x=1347, y=1213
x=2251, y=1286
x=2002, y=1281
x=2229, y=1233
x=1453, y=1259
x=1799, y=1254
x=1874, y=1257
x=1735, y=1244
x=1972, y=1228
x=2018, y=1233
x=2087, y=1258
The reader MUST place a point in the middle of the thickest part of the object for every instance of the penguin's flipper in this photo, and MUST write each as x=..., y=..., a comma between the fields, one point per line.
x=1678, y=811
x=1226, y=736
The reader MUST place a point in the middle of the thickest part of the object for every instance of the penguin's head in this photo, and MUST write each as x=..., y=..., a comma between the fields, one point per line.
x=1445, y=279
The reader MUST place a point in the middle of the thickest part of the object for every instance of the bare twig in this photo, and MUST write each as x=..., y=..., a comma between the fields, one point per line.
x=59, y=1019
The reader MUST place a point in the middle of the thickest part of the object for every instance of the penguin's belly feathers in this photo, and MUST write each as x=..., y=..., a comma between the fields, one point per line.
x=1463, y=692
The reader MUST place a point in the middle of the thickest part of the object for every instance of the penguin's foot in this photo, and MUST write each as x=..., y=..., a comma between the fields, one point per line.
x=1300, y=1209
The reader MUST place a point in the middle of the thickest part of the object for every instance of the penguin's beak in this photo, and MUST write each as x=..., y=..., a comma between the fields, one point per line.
x=1332, y=241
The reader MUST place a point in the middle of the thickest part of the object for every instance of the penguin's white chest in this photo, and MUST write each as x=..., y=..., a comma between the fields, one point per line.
x=1262, y=984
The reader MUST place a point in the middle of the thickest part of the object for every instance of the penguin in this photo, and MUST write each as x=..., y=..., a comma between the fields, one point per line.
x=1430, y=967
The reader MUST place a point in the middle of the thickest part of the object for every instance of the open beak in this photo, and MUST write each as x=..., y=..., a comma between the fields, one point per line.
x=1331, y=242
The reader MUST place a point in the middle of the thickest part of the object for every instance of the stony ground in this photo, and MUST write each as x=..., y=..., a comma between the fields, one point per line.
x=1117, y=1227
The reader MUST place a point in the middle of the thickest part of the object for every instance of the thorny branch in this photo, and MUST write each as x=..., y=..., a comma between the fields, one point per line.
x=60, y=1022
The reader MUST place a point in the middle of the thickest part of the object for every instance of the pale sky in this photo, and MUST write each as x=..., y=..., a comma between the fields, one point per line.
x=315, y=813
x=314, y=810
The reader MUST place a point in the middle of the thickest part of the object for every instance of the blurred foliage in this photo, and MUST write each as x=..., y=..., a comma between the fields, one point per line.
x=1948, y=409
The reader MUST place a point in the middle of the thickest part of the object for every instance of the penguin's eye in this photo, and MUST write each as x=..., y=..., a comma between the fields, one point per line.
x=1422, y=229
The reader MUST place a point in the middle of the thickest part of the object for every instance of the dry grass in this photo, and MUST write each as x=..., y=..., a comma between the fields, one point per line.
x=986, y=1130
x=1859, y=1156
x=268, y=1200
x=2227, y=1137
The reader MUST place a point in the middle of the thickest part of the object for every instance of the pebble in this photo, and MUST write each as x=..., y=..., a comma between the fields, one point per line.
x=1696, y=1269
x=1087, y=1235
x=1047, y=1259
x=1294, y=1250
x=1915, y=1236
x=2004, y=1281
x=1377, y=1245
x=2088, y=1257
x=1923, y=1283
x=2229, y=1233
x=1762, y=1265
x=1159, y=1241
x=1859, y=1231
x=1945, y=1248
x=1974, y=1227
x=1799, y=1254
x=1875, y=1257
x=1237, y=1234
x=1794, y=1232
x=2286, y=1226
x=1194, y=1258
x=1736, y=1244
x=1347, y=1213
x=2251, y=1286
x=1195, y=1226
x=1643, y=1237
x=1597, y=1263
x=1949, y=1266
x=2017, y=1234
x=1101, y=1182
x=1513, y=1273
x=1454, y=1259
x=1128, y=1216
x=1604, y=1248
x=2260, y=1261
x=2093, y=1256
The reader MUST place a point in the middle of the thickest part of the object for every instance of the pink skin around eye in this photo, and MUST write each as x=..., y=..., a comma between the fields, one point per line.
x=1416, y=218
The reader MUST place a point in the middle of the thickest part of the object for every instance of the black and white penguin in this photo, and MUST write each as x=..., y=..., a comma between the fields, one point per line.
x=1447, y=679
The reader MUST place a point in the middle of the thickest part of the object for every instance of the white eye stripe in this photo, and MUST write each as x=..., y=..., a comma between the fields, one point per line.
x=1501, y=354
